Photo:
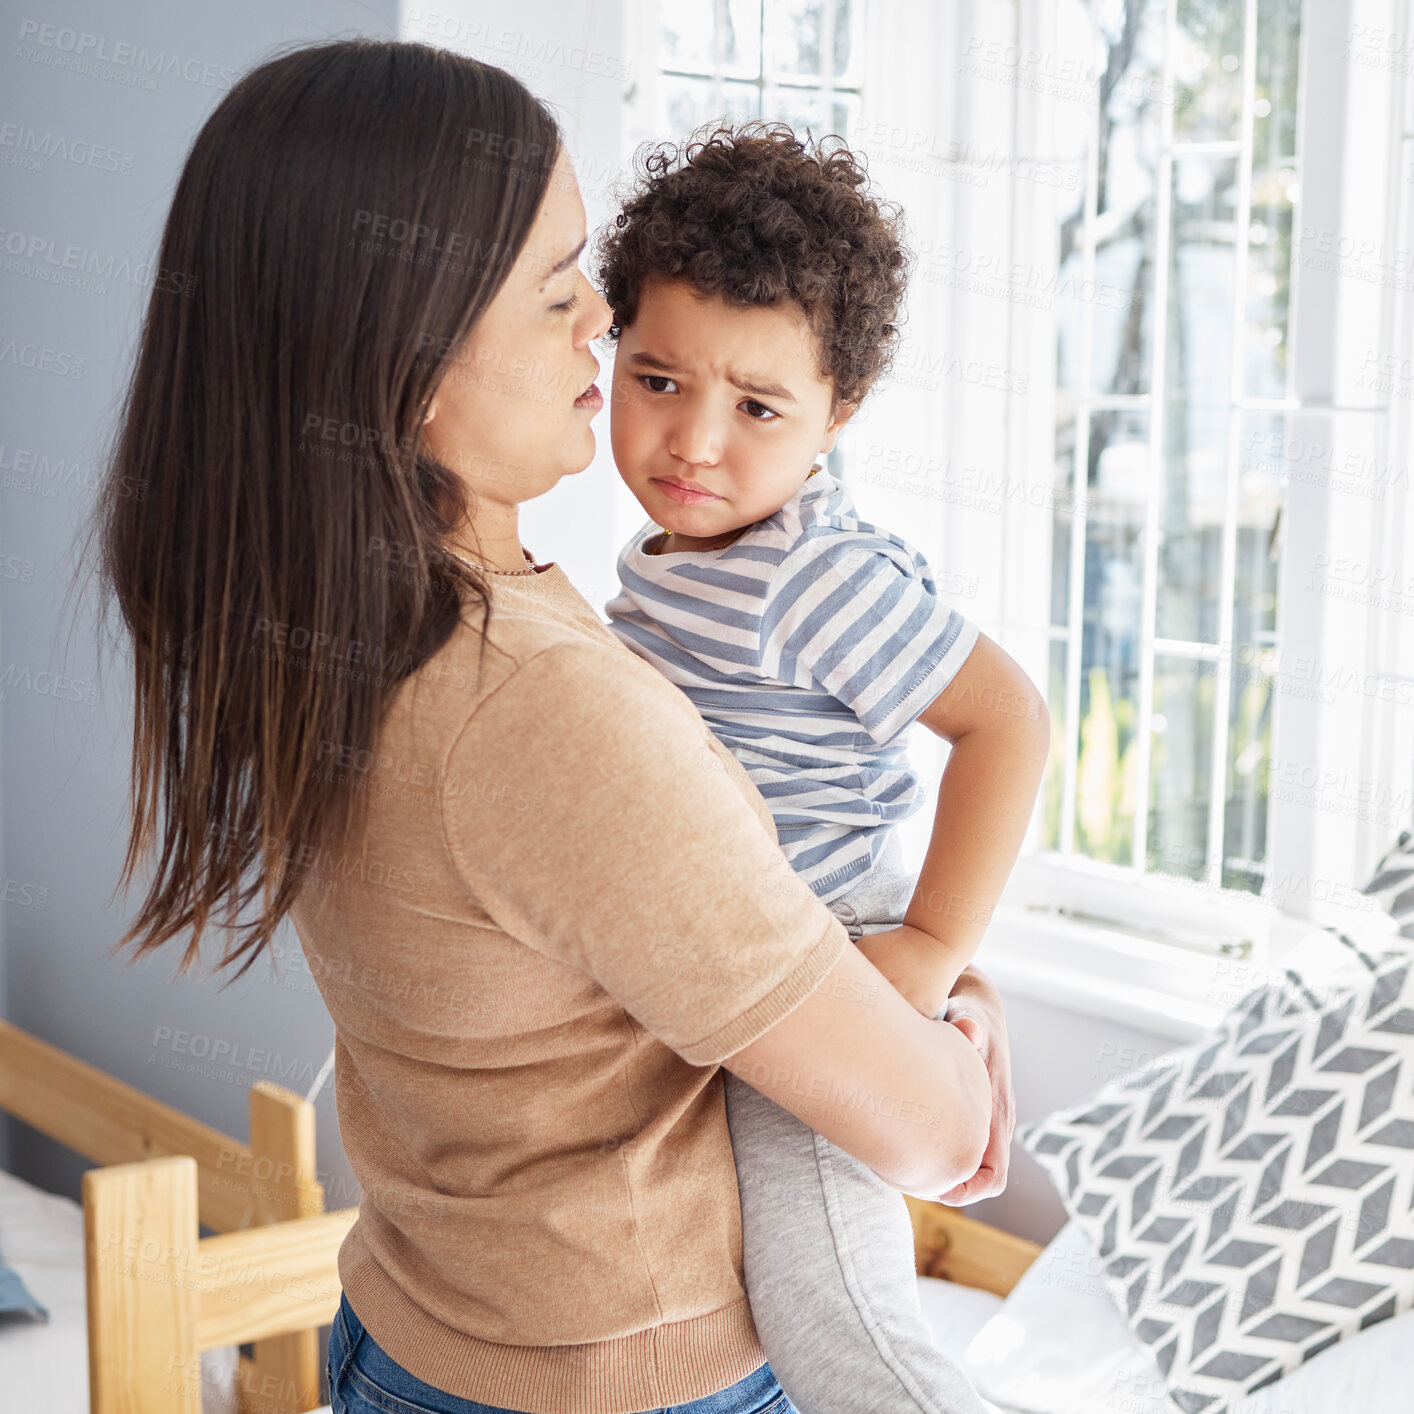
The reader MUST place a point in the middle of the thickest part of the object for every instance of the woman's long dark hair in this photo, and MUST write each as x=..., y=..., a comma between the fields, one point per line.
x=270, y=521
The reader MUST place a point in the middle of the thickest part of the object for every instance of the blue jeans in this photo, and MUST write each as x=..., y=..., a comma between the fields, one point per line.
x=363, y=1379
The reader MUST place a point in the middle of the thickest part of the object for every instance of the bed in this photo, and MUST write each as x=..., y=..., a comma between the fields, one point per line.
x=135, y=1293
x=147, y=1315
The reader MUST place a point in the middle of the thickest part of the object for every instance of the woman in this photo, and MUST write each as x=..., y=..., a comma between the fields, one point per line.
x=542, y=903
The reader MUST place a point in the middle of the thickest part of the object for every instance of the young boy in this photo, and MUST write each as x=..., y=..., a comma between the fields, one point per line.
x=756, y=286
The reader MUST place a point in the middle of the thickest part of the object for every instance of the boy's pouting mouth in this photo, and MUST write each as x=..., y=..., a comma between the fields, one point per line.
x=719, y=410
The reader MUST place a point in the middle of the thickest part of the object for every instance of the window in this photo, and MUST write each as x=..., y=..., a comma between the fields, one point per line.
x=794, y=61
x=1150, y=417
x=1148, y=320
x=1175, y=267
x=1218, y=722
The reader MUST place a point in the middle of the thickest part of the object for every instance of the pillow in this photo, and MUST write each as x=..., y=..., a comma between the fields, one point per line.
x=1059, y=1346
x=1249, y=1194
x=15, y=1299
x=1392, y=886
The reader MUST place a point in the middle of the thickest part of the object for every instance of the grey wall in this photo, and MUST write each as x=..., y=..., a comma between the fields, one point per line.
x=64, y=730
x=77, y=89
x=70, y=78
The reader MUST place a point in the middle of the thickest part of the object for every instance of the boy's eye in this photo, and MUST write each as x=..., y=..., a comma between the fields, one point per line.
x=754, y=411
x=570, y=303
x=651, y=379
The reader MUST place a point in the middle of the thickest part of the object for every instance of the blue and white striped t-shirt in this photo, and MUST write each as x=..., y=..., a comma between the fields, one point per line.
x=808, y=645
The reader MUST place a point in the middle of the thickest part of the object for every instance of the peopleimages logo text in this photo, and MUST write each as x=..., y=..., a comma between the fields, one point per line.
x=99, y=49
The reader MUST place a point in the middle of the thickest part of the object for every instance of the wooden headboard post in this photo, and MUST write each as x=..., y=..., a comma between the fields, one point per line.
x=159, y=1293
x=141, y=1244
x=283, y=1378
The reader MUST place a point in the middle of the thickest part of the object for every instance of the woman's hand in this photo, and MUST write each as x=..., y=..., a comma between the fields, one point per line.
x=975, y=1007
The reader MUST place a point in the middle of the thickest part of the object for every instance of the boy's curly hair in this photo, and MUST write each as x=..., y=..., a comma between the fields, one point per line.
x=750, y=213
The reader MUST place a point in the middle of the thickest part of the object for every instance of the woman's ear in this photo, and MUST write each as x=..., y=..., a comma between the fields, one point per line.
x=843, y=413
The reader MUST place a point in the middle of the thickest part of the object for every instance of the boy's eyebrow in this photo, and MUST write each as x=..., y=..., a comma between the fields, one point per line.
x=737, y=380
x=564, y=264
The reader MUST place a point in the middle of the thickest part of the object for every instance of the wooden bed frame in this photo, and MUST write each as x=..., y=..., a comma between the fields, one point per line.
x=159, y=1293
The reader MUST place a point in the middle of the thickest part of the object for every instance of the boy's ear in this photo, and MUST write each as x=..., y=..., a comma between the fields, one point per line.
x=843, y=413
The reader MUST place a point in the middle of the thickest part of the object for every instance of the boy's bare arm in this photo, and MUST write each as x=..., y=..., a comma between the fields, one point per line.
x=1000, y=730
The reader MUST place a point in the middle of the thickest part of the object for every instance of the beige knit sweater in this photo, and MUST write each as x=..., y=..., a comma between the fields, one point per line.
x=569, y=908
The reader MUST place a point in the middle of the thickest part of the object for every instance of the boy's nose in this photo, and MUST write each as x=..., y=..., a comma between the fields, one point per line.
x=694, y=440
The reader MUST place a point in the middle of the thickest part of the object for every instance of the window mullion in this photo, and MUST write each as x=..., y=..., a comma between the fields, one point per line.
x=1153, y=501
x=1397, y=657
x=1119, y=402
x=1188, y=648
x=1217, y=789
x=764, y=71
x=719, y=12
x=1080, y=488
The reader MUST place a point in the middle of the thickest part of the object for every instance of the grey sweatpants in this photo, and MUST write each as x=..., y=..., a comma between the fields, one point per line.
x=827, y=1246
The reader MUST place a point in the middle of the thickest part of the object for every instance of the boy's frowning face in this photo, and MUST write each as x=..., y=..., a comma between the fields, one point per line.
x=718, y=410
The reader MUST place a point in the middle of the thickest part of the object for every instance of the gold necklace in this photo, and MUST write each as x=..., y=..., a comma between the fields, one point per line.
x=489, y=569
x=736, y=535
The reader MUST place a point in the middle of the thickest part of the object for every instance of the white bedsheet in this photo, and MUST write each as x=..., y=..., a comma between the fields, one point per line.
x=44, y=1364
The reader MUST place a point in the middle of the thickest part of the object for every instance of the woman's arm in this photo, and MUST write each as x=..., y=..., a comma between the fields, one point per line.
x=592, y=823
x=1000, y=732
x=860, y=1065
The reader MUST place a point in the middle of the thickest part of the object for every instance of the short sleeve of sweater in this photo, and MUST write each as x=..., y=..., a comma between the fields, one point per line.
x=587, y=812
x=860, y=616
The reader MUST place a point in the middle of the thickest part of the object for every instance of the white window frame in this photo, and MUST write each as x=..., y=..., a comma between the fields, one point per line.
x=1099, y=937
x=1159, y=952
x=767, y=80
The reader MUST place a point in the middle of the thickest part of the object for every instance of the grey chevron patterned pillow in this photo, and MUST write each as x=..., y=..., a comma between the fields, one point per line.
x=1250, y=1194
x=1392, y=885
